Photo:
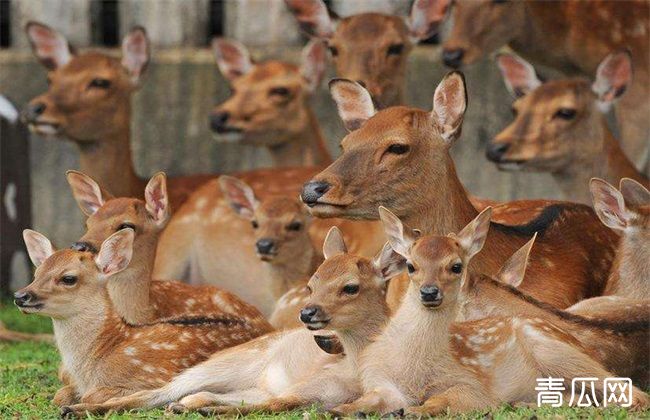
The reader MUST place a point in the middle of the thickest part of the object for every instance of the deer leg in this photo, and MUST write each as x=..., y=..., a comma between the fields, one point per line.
x=273, y=405
x=65, y=395
x=457, y=399
x=205, y=398
x=381, y=400
x=103, y=394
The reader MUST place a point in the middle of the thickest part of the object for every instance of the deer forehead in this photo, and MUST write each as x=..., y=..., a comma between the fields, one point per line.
x=92, y=64
x=339, y=268
x=435, y=250
x=279, y=208
x=372, y=28
x=120, y=208
x=395, y=124
x=275, y=71
x=555, y=94
x=64, y=261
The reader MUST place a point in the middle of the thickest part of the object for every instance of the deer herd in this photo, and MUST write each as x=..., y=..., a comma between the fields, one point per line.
x=418, y=299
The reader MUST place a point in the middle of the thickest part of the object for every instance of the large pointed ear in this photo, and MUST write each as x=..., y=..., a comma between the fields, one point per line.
x=400, y=236
x=514, y=270
x=426, y=17
x=609, y=204
x=518, y=74
x=239, y=195
x=449, y=105
x=613, y=76
x=334, y=243
x=313, y=17
x=156, y=199
x=313, y=65
x=388, y=263
x=473, y=236
x=353, y=102
x=88, y=194
x=634, y=193
x=38, y=246
x=116, y=252
x=49, y=46
x=136, y=51
x=233, y=59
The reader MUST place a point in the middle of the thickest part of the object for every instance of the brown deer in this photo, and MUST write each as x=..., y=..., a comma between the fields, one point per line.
x=263, y=95
x=103, y=355
x=135, y=296
x=559, y=126
x=283, y=245
x=464, y=366
x=583, y=33
x=399, y=157
x=287, y=370
x=371, y=48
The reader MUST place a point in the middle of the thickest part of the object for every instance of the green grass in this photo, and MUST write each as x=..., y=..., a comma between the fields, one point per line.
x=28, y=381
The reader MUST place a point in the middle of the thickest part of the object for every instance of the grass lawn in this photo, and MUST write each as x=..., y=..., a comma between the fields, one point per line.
x=28, y=381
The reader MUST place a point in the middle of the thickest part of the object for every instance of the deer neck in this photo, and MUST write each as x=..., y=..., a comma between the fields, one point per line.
x=305, y=148
x=108, y=161
x=631, y=268
x=294, y=272
x=355, y=340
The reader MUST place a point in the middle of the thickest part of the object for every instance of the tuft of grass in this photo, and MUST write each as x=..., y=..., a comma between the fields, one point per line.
x=28, y=381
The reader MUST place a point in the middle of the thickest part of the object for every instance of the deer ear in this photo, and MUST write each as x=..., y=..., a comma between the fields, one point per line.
x=449, y=105
x=609, y=204
x=353, y=101
x=388, y=263
x=634, y=194
x=239, y=195
x=518, y=74
x=233, y=59
x=156, y=199
x=426, y=17
x=136, y=53
x=116, y=252
x=48, y=45
x=88, y=194
x=334, y=243
x=313, y=17
x=473, y=236
x=613, y=76
x=514, y=270
x=400, y=236
x=38, y=246
x=314, y=61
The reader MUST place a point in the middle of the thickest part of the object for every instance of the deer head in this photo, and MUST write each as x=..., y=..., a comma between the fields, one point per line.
x=88, y=95
x=67, y=281
x=556, y=123
x=388, y=154
x=346, y=289
x=268, y=105
x=280, y=224
x=370, y=48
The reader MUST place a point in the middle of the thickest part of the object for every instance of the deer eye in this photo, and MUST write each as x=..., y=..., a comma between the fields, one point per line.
x=395, y=49
x=125, y=225
x=398, y=149
x=457, y=268
x=69, y=280
x=99, y=83
x=279, y=91
x=565, y=113
x=350, y=289
x=410, y=268
x=294, y=226
x=333, y=50
x=255, y=224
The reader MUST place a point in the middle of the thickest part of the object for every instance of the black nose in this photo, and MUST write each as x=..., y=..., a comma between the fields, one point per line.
x=308, y=313
x=495, y=151
x=32, y=111
x=313, y=190
x=218, y=120
x=265, y=245
x=453, y=58
x=23, y=298
x=429, y=294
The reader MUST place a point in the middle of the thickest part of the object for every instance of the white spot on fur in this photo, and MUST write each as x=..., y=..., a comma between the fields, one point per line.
x=129, y=351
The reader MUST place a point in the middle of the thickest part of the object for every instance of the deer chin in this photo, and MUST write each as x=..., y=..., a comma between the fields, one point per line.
x=512, y=166
x=326, y=210
x=45, y=129
x=31, y=309
x=317, y=325
x=228, y=136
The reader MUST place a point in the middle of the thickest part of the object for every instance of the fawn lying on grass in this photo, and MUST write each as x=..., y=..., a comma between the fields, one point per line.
x=103, y=355
x=282, y=243
x=286, y=370
x=463, y=366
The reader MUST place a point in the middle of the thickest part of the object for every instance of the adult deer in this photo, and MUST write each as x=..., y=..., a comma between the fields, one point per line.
x=134, y=294
x=559, y=126
x=583, y=33
x=103, y=355
x=287, y=370
x=399, y=157
x=466, y=363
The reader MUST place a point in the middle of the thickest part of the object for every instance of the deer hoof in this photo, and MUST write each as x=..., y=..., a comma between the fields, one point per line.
x=176, y=408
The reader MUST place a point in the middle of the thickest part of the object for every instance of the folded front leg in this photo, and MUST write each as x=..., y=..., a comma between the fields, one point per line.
x=205, y=399
x=380, y=401
x=272, y=405
x=457, y=399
